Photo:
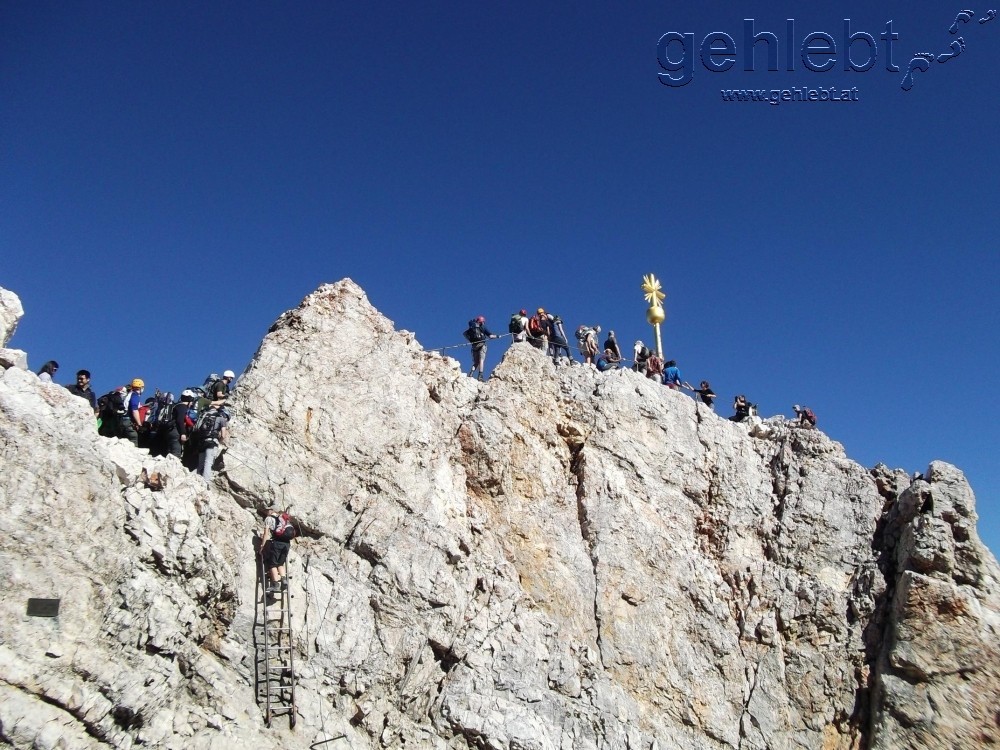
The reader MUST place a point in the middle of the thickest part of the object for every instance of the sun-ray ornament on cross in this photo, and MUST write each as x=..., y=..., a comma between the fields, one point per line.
x=655, y=314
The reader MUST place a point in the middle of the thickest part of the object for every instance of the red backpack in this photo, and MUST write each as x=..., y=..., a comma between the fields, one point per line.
x=284, y=529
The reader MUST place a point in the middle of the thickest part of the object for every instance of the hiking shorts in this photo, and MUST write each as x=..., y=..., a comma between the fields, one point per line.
x=275, y=554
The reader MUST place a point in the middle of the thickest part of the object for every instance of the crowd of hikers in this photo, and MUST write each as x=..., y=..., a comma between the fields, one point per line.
x=195, y=426
x=545, y=331
x=192, y=427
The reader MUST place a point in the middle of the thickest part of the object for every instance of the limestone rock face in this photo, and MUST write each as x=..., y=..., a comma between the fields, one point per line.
x=11, y=313
x=557, y=558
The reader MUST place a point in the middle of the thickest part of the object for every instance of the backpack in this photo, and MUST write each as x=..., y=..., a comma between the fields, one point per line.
x=162, y=411
x=810, y=416
x=209, y=425
x=516, y=324
x=581, y=333
x=284, y=528
x=474, y=333
x=111, y=405
x=210, y=384
x=535, y=326
x=654, y=365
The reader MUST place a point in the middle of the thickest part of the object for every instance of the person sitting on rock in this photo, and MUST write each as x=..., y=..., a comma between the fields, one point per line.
x=607, y=361
x=806, y=416
x=612, y=343
x=742, y=408
x=48, y=370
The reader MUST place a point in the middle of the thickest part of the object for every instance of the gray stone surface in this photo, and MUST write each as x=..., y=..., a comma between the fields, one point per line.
x=558, y=558
x=11, y=313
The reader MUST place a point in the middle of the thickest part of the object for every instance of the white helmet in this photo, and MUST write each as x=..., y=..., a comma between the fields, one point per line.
x=229, y=374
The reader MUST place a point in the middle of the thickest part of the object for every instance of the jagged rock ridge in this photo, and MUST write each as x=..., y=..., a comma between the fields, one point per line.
x=556, y=559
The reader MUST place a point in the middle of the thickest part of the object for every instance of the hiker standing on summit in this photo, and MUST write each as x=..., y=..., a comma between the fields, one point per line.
x=672, y=375
x=131, y=421
x=539, y=330
x=82, y=389
x=518, y=326
x=558, y=343
x=476, y=334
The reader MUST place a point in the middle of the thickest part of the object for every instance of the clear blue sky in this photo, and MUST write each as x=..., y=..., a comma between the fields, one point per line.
x=175, y=175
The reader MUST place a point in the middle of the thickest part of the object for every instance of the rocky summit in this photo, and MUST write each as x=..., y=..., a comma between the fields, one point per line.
x=556, y=558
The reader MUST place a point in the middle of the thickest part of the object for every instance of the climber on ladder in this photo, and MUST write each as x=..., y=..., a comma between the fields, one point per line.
x=279, y=531
x=273, y=626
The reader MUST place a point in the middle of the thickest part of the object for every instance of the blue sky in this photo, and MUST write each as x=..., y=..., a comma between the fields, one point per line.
x=173, y=176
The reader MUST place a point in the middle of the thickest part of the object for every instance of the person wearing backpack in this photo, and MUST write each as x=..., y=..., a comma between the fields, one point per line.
x=586, y=336
x=218, y=390
x=279, y=531
x=171, y=424
x=212, y=430
x=131, y=422
x=518, y=326
x=640, y=356
x=806, y=417
x=477, y=334
x=189, y=415
x=539, y=330
x=111, y=412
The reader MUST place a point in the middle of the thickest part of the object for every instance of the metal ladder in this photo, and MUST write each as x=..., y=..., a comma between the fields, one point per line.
x=275, y=662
